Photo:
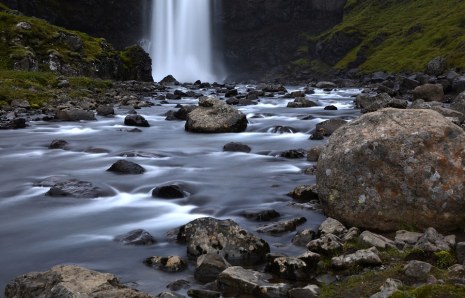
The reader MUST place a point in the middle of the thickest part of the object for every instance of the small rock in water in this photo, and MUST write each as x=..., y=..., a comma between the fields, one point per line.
x=168, y=192
x=236, y=147
x=303, y=237
x=305, y=193
x=330, y=108
x=260, y=215
x=58, y=144
x=136, y=237
x=126, y=167
x=136, y=120
x=294, y=153
x=168, y=264
x=77, y=189
x=281, y=129
x=282, y=226
x=209, y=266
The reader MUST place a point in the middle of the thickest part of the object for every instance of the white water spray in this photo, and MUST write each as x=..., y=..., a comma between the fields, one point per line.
x=181, y=40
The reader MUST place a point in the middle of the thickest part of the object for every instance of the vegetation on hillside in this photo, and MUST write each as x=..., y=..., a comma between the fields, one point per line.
x=398, y=35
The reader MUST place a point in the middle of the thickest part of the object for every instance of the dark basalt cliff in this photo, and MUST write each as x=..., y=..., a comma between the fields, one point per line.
x=120, y=22
x=263, y=36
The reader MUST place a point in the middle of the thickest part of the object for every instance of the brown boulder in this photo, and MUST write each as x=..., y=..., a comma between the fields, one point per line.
x=429, y=92
x=393, y=168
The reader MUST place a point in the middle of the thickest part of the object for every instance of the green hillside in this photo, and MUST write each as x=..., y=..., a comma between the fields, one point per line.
x=397, y=35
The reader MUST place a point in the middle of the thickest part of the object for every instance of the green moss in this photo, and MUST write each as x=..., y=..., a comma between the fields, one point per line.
x=444, y=259
x=437, y=30
x=432, y=291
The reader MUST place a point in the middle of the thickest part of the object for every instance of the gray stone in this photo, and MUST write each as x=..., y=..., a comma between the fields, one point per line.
x=136, y=120
x=67, y=281
x=236, y=281
x=432, y=241
x=328, y=127
x=74, y=114
x=418, y=270
x=136, y=237
x=310, y=291
x=326, y=85
x=389, y=287
x=332, y=226
x=460, y=251
x=289, y=268
x=327, y=244
x=223, y=237
x=429, y=92
x=351, y=234
x=305, y=193
x=215, y=116
x=282, y=226
x=77, y=189
x=126, y=167
x=406, y=239
x=421, y=152
x=302, y=238
x=209, y=266
x=373, y=102
x=302, y=102
x=376, y=240
x=363, y=257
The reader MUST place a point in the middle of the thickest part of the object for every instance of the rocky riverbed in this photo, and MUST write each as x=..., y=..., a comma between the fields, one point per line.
x=209, y=189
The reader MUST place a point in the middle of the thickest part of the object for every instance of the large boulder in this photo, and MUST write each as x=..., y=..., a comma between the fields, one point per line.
x=429, y=92
x=393, y=168
x=215, y=116
x=223, y=237
x=69, y=281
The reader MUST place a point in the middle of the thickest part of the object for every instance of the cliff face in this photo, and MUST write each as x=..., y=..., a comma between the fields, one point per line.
x=264, y=36
x=120, y=22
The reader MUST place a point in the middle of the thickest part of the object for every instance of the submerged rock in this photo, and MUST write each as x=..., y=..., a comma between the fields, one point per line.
x=126, y=167
x=58, y=144
x=223, y=237
x=69, y=281
x=215, y=116
x=136, y=120
x=77, y=189
x=136, y=237
x=173, y=191
x=168, y=264
x=283, y=226
x=236, y=147
x=419, y=150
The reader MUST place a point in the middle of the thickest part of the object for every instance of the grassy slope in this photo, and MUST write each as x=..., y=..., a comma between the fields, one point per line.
x=39, y=87
x=415, y=31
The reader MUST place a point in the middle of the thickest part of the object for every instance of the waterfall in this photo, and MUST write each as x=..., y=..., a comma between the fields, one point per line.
x=181, y=40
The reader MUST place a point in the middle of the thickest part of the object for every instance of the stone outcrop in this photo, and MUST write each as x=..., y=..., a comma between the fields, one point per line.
x=69, y=281
x=419, y=150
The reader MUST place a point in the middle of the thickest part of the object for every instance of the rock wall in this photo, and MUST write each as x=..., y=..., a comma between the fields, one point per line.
x=264, y=36
x=120, y=22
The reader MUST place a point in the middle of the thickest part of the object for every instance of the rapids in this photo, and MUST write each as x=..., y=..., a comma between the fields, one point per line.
x=38, y=232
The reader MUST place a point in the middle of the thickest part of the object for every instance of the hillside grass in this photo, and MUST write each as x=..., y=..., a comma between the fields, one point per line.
x=412, y=32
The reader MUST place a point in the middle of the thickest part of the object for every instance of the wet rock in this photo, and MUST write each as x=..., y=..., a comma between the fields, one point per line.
x=293, y=153
x=136, y=120
x=376, y=240
x=240, y=101
x=429, y=92
x=272, y=88
x=460, y=252
x=305, y=193
x=330, y=126
x=169, y=80
x=370, y=103
x=201, y=293
x=58, y=144
x=51, y=181
x=406, y=239
x=302, y=102
x=16, y=123
x=332, y=226
x=183, y=111
x=363, y=257
x=69, y=281
x=231, y=93
x=168, y=264
x=77, y=189
x=179, y=285
x=280, y=129
x=418, y=270
x=314, y=153
x=261, y=215
x=326, y=85
x=236, y=281
x=296, y=94
x=283, y=226
x=302, y=238
x=432, y=241
x=318, y=134
x=330, y=108
x=126, y=167
x=420, y=150
x=209, y=266
x=236, y=147
x=170, y=295
x=74, y=114
x=215, y=116
x=223, y=237
x=389, y=287
x=105, y=111
x=288, y=268
x=136, y=237
x=173, y=191
x=327, y=244
x=310, y=291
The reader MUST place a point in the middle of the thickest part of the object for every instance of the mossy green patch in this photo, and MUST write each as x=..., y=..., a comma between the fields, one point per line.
x=432, y=291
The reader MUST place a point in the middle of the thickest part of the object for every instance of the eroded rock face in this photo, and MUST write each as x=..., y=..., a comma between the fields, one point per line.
x=223, y=237
x=395, y=167
x=69, y=281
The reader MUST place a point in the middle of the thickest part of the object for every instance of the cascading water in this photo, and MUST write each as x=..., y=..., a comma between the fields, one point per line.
x=181, y=40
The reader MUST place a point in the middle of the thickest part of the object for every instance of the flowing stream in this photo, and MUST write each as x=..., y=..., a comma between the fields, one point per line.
x=38, y=231
x=181, y=40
